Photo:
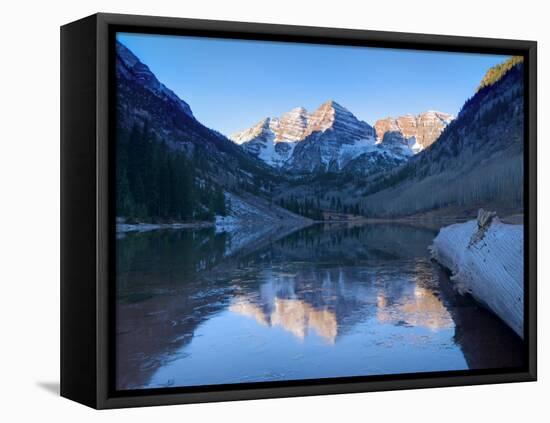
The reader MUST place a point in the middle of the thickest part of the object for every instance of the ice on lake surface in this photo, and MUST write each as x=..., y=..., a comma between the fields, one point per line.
x=322, y=301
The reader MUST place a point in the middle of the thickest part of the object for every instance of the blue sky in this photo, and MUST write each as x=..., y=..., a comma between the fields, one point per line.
x=232, y=84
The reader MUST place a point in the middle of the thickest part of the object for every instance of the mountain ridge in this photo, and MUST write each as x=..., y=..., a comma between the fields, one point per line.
x=331, y=137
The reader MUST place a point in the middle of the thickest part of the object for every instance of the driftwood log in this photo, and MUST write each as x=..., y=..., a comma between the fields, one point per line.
x=485, y=257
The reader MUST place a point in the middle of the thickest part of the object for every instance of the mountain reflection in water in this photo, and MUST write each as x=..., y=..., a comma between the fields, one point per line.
x=295, y=316
x=199, y=308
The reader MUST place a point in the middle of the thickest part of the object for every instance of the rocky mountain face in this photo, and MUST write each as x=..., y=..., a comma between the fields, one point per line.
x=292, y=126
x=273, y=139
x=332, y=139
x=418, y=132
x=477, y=160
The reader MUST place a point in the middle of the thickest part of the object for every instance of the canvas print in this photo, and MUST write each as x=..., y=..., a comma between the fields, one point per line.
x=294, y=211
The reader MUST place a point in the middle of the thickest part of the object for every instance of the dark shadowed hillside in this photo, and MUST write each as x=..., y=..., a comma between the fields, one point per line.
x=477, y=160
x=169, y=165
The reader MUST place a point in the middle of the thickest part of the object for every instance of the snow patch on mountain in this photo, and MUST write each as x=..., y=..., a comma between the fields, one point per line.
x=349, y=152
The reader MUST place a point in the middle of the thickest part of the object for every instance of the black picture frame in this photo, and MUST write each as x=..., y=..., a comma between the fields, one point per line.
x=87, y=215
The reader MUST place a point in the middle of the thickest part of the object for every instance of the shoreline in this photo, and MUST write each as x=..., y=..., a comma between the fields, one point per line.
x=433, y=221
x=218, y=226
x=146, y=227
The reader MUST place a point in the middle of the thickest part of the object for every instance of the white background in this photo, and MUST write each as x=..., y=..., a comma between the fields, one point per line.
x=29, y=209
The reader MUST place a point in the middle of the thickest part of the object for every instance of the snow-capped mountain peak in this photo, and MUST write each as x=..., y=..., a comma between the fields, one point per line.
x=327, y=115
x=291, y=126
x=274, y=139
x=253, y=132
x=297, y=123
x=331, y=137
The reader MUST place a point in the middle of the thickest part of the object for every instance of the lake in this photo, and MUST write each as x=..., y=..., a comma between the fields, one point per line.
x=196, y=307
